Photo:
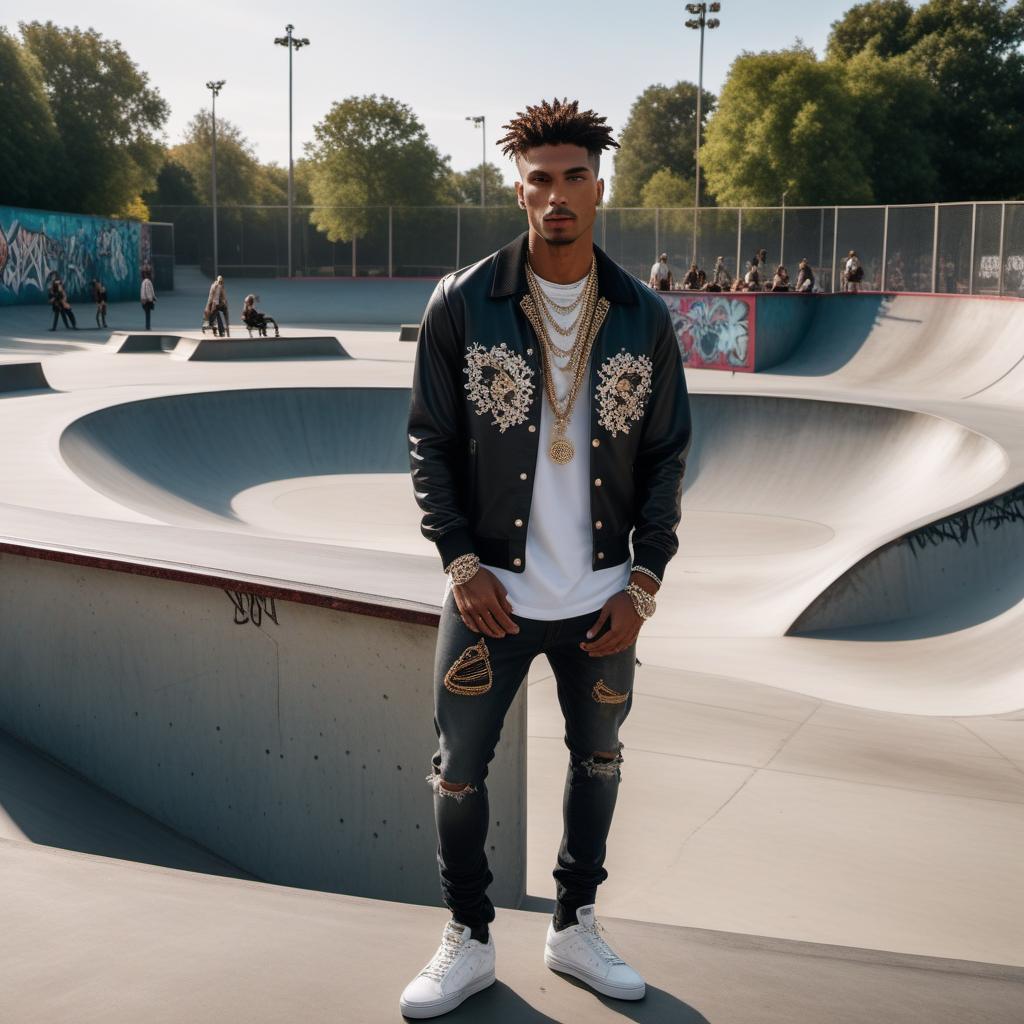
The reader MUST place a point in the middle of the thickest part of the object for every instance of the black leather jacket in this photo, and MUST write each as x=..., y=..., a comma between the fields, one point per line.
x=474, y=424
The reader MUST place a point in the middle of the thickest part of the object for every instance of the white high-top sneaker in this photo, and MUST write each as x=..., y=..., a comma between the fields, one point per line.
x=580, y=950
x=460, y=968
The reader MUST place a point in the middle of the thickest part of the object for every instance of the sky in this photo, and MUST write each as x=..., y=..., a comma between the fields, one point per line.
x=447, y=59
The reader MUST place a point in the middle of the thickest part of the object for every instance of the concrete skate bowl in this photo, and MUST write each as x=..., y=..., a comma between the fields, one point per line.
x=245, y=459
x=949, y=575
x=778, y=489
x=939, y=346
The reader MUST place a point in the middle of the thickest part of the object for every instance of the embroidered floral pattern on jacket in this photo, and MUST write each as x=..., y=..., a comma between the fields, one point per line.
x=623, y=392
x=499, y=384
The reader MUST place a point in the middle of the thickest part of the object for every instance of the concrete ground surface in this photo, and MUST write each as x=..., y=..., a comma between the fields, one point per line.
x=810, y=828
x=108, y=942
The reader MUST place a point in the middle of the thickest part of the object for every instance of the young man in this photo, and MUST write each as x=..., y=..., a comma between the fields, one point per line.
x=661, y=275
x=548, y=426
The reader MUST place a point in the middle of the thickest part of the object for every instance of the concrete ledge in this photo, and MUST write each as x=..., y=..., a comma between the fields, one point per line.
x=289, y=739
x=122, y=341
x=16, y=377
x=225, y=349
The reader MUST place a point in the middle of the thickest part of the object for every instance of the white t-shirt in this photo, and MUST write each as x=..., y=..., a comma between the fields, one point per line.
x=659, y=271
x=558, y=581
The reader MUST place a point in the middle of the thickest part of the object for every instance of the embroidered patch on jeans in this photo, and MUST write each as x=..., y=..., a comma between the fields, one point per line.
x=604, y=694
x=470, y=676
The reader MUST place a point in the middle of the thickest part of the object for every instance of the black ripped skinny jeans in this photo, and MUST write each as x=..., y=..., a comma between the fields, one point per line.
x=476, y=679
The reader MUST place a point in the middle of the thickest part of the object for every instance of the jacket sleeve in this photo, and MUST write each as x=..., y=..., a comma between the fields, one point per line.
x=437, y=436
x=661, y=459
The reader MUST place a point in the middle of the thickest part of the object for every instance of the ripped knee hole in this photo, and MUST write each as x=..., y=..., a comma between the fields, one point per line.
x=441, y=787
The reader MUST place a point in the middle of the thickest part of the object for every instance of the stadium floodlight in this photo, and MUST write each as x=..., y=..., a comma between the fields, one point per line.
x=700, y=22
x=481, y=120
x=215, y=88
x=292, y=43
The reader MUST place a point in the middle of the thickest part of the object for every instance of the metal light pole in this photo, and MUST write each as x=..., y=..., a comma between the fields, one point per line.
x=700, y=21
x=215, y=88
x=482, y=121
x=782, y=232
x=293, y=44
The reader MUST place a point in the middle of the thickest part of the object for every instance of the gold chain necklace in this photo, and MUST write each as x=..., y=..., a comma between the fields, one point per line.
x=561, y=449
x=547, y=304
x=564, y=310
x=589, y=295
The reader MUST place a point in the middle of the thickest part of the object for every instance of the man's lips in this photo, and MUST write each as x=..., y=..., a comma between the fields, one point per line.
x=558, y=219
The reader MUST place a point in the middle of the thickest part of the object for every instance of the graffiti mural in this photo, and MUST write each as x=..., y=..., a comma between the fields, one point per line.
x=35, y=245
x=715, y=331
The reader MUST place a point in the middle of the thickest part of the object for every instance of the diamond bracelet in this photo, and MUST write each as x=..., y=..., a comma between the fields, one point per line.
x=646, y=572
x=463, y=569
x=643, y=602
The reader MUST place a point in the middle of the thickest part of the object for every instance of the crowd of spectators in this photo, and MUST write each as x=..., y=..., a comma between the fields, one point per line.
x=758, y=276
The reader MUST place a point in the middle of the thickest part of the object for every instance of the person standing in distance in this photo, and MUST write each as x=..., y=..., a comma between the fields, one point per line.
x=99, y=295
x=548, y=426
x=853, y=272
x=217, y=307
x=661, y=275
x=147, y=296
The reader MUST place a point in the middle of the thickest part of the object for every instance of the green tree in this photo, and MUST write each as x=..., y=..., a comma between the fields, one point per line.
x=463, y=187
x=971, y=54
x=897, y=108
x=175, y=186
x=879, y=26
x=785, y=122
x=370, y=151
x=107, y=115
x=240, y=179
x=29, y=150
x=660, y=132
x=665, y=188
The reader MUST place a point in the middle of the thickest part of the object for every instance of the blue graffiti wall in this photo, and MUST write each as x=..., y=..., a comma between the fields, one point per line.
x=35, y=245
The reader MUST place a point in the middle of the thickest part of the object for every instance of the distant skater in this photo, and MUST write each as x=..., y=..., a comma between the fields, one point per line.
x=853, y=272
x=661, y=275
x=548, y=421
x=99, y=296
x=61, y=306
x=217, y=308
x=147, y=296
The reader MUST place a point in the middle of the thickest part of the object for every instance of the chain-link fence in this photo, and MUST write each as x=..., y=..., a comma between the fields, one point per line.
x=958, y=248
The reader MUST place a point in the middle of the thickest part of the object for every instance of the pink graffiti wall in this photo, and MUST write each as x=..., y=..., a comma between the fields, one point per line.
x=715, y=330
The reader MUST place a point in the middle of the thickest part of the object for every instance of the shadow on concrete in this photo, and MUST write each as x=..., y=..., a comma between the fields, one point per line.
x=501, y=1005
x=658, y=1005
x=837, y=331
x=538, y=904
x=43, y=802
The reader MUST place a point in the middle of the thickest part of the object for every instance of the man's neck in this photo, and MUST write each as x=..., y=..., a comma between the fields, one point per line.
x=561, y=264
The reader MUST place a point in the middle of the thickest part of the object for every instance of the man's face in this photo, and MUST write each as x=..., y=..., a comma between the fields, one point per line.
x=559, y=191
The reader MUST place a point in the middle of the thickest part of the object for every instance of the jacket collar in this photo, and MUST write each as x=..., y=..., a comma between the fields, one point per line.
x=510, y=274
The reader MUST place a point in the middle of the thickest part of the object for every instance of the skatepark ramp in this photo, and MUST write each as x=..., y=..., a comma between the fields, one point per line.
x=16, y=377
x=783, y=495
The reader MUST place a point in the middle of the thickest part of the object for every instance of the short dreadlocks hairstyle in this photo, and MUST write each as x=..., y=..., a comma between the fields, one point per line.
x=559, y=122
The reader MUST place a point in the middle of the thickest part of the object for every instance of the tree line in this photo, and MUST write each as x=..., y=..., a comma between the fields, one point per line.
x=907, y=104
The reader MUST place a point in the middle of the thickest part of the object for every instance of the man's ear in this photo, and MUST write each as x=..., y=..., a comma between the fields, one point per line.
x=600, y=191
x=519, y=195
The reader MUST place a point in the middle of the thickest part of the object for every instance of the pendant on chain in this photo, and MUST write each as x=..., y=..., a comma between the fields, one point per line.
x=561, y=449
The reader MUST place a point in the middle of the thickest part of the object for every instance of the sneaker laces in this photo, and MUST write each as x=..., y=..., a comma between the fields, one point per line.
x=443, y=959
x=599, y=945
